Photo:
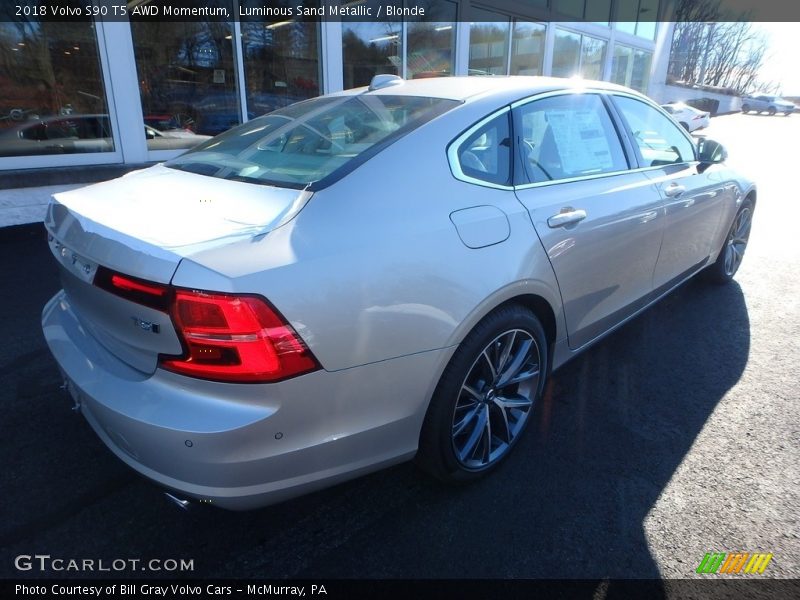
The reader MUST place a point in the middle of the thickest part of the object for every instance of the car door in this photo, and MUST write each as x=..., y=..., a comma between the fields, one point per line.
x=600, y=221
x=692, y=196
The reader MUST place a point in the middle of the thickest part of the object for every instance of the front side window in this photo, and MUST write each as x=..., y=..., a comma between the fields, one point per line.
x=304, y=143
x=567, y=136
x=659, y=140
x=486, y=153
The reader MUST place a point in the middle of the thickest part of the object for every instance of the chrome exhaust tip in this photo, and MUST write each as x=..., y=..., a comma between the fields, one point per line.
x=183, y=504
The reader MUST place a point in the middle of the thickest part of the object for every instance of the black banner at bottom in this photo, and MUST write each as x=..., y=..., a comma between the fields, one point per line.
x=335, y=589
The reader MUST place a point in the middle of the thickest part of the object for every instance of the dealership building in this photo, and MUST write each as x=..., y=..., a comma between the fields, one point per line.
x=94, y=97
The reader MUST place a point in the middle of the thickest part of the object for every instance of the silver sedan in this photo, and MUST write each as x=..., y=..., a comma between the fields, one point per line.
x=376, y=275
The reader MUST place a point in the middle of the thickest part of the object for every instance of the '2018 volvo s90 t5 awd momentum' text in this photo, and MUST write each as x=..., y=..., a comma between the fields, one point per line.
x=374, y=275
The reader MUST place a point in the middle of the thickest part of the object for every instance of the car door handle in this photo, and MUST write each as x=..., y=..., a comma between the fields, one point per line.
x=567, y=216
x=673, y=190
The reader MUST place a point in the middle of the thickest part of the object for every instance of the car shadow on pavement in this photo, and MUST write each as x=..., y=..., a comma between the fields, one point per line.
x=570, y=501
x=611, y=430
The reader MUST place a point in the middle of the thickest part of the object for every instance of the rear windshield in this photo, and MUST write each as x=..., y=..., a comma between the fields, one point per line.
x=312, y=142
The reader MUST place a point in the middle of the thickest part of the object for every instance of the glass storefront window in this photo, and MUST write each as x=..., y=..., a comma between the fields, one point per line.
x=370, y=48
x=566, y=54
x=578, y=55
x=488, y=43
x=631, y=67
x=187, y=79
x=281, y=60
x=597, y=11
x=527, y=48
x=53, y=100
x=431, y=44
x=621, y=64
x=646, y=29
x=638, y=17
x=593, y=54
x=570, y=8
x=626, y=27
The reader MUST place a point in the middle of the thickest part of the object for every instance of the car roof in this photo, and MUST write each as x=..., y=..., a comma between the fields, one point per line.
x=466, y=88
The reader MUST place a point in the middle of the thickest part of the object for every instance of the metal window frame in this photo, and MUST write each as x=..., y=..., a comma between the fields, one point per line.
x=78, y=159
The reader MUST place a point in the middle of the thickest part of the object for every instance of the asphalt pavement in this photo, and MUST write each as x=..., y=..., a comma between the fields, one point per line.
x=676, y=436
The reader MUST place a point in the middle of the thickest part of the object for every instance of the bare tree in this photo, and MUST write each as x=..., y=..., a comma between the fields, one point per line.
x=716, y=48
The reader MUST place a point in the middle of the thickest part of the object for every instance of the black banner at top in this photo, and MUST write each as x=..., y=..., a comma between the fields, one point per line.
x=603, y=11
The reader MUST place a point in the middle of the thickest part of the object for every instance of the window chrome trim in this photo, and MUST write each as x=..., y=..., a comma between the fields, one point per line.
x=452, y=149
x=452, y=153
x=578, y=89
x=537, y=184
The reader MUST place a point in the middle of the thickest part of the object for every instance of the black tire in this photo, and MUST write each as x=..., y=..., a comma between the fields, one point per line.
x=771, y=110
x=466, y=400
x=723, y=270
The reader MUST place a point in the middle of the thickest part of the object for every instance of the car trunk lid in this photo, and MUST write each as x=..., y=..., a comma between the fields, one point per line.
x=141, y=226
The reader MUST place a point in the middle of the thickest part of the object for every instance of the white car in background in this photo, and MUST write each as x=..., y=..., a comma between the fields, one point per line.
x=689, y=117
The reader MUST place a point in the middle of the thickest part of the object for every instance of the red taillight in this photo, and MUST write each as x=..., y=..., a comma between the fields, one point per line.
x=126, y=284
x=226, y=337
x=154, y=295
x=236, y=339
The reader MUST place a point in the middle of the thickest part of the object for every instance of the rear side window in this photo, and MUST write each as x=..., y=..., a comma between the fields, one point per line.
x=567, y=136
x=660, y=141
x=486, y=153
x=310, y=141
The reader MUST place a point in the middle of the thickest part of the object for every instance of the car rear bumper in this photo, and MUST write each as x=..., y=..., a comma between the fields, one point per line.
x=243, y=446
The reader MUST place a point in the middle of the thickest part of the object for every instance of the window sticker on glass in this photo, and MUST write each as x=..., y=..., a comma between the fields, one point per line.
x=581, y=141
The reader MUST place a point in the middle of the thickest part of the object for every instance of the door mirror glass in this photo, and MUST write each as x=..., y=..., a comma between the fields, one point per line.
x=709, y=151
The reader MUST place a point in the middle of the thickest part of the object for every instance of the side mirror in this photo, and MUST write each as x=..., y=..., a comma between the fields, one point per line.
x=710, y=152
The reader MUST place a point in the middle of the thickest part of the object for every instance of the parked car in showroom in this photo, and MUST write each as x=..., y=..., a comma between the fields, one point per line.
x=83, y=133
x=689, y=117
x=172, y=139
x=375, y=275
x=57, y=135
x=768, y=104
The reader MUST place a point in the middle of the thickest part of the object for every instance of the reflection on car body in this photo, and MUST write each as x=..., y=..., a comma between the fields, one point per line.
x=374, y=275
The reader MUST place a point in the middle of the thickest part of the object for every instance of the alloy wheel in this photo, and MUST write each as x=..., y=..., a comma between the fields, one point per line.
x=495, y=399
x=737, y=240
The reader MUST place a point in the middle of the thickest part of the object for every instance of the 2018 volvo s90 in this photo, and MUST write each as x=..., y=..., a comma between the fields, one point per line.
x=375, y=275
